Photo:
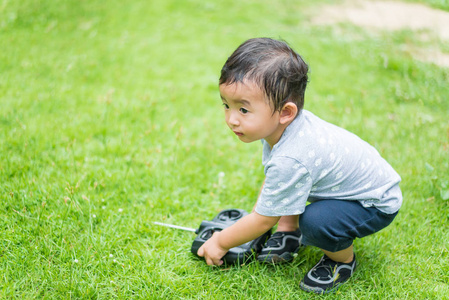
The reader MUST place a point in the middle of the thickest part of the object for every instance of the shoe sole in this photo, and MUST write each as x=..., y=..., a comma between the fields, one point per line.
x=318, y=290
x=276, y=259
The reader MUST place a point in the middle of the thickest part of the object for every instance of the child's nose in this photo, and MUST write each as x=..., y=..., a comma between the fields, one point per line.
x=232, y=119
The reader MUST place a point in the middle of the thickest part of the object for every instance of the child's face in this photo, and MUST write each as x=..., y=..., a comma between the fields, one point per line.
x=248, y=113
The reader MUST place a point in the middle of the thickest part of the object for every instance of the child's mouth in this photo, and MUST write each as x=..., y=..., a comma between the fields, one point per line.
x=238, y=133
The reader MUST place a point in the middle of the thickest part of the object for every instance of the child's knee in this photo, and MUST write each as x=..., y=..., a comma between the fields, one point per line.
x=312, y=220
x=317, y=230
x=313, y=226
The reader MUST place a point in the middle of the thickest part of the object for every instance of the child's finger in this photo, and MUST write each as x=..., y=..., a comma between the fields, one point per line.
x=209, y=261
x=201, y=251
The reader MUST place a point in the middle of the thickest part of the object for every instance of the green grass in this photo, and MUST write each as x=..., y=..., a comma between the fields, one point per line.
x=110, y=119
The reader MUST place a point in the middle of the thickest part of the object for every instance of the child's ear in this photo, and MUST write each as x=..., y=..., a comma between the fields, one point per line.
x=288, y=113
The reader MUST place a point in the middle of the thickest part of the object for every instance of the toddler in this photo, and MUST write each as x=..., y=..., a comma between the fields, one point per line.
x=352, y=191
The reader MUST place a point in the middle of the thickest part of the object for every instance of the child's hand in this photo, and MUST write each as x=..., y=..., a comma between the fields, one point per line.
x=212, y=252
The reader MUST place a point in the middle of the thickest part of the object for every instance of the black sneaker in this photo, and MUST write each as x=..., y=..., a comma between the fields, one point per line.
x=327, y=275
x=281, y=247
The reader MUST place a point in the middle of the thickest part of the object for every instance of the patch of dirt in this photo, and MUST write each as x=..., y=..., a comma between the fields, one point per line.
x=393, y=15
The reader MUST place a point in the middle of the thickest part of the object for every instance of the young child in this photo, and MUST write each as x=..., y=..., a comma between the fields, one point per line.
x=352, y=190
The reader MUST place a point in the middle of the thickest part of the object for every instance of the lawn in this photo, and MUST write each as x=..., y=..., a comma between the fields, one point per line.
x=110, y=119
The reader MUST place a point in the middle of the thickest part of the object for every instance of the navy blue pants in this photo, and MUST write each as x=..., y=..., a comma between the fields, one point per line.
x=333, y=225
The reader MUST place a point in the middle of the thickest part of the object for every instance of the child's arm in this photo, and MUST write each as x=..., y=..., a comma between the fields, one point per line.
x=244, y=230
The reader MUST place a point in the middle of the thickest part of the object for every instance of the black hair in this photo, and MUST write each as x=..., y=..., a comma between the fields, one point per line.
x=271, y=64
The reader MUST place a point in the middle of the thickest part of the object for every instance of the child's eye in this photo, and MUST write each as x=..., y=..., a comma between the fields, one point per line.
x=226, y=106
x=243, y=110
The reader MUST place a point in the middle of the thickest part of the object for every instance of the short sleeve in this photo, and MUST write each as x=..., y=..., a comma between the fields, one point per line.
x=286, y=189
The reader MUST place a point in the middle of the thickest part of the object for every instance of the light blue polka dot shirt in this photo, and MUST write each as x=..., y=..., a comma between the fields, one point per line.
x=316, y=160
